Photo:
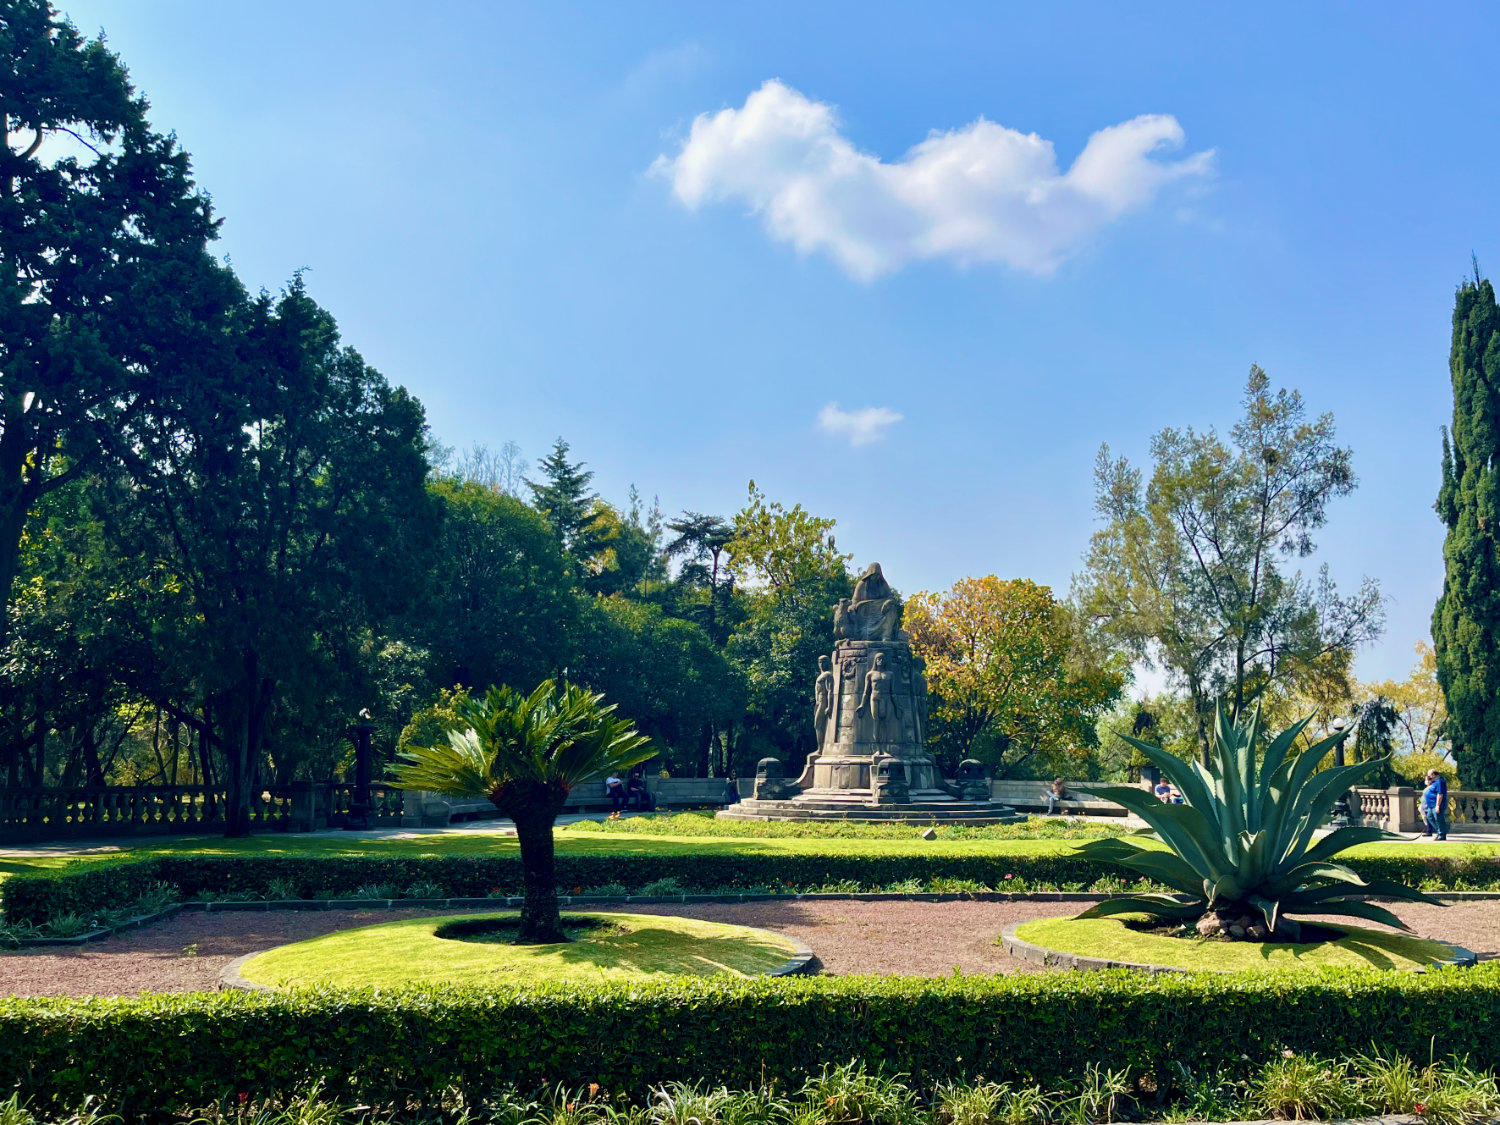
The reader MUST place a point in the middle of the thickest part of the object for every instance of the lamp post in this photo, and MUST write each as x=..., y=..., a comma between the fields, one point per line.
x=362, y=734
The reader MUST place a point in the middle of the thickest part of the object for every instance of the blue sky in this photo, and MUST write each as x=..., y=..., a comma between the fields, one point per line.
x=509, y=211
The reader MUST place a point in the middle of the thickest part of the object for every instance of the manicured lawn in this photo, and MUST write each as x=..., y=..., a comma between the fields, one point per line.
x=628, y=947
x=1110, y=938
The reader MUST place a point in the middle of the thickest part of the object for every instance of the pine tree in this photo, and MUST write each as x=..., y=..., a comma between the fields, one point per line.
x=563, y=496
x=1466, y=622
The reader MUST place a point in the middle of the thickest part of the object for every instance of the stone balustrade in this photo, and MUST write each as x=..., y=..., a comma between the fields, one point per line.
x=30, y=815
x=1398, y=809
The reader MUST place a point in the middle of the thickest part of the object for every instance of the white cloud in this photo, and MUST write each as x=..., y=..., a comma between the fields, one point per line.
x=983, y=193
x=860, y=426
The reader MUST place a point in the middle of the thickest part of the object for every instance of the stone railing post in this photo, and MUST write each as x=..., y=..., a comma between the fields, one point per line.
x=1403, y=814
x=302, y=812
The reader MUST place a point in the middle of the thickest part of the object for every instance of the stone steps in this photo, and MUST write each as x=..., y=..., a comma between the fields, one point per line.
x=917, y=812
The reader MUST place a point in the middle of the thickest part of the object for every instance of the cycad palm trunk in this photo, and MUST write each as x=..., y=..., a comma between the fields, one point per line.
x=541, y=920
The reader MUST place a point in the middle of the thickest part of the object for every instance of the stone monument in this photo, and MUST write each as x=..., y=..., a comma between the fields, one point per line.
x=870, y=719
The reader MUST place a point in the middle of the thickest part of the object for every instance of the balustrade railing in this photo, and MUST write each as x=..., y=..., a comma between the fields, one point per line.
x=31, y=815
x=1474, y=811
x=1399, y=809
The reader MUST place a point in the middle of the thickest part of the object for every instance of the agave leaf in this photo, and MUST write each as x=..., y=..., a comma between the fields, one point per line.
x=1165, y=867
x=1342, y=838
x=1269, y=908
x=1187, y=776
x=1276, y=752
x=1355, y=909
x=1316, y=802
x=1375, y=888
x=1153, y=905
x=1182, y=828
x=1299, y=876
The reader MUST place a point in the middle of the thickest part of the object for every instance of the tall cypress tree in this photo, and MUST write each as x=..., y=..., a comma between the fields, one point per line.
x=1466, y=622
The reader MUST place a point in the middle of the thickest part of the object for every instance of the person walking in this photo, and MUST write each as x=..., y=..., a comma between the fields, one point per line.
x=1435, y=805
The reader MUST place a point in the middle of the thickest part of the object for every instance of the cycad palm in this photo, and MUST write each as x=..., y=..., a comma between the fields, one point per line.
x=526, y=753
x=1246, y=837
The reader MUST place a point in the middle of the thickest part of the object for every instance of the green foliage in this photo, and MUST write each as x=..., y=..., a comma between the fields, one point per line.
x=664, y=673
x=1466, y=620
x=499, y=606
x=1411, y=769
x=88, y=888
x=524, y=752
x=563, y=496
x=1245, y=838
x=1188, y=569
x=1071, y=1034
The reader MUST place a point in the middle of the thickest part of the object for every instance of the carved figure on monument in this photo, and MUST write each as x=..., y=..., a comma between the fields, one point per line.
x=823, y=699
x=919, y=696
x=873, y=614
x=878, y=703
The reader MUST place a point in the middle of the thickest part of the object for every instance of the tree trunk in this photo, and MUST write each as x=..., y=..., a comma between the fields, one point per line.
x=541, y=921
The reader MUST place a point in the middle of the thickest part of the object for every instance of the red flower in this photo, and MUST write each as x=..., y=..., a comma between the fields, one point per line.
x=1010, y=876
x=244, y=1098
x=1420, y=1108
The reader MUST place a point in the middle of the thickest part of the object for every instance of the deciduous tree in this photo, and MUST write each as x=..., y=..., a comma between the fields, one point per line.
x=1012, y=681
x=1190, y=571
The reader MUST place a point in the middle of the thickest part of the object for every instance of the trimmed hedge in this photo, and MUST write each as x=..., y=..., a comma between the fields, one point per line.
x=157, y=1054
x=97, y=886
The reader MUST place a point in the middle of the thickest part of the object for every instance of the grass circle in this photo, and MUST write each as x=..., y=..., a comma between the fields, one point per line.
x=1113, y=939
x=477, y=949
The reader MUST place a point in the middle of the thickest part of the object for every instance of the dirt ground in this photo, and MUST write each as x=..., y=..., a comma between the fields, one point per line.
x=186, y=953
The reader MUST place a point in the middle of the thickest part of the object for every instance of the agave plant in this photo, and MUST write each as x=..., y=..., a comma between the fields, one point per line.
x=1246, y=839
x=526, y=753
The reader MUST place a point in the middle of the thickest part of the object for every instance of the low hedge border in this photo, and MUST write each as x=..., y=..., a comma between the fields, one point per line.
x=36, y=897
x=158, y=1054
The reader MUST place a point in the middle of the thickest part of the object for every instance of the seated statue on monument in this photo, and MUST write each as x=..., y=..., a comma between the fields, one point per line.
x=873, y=614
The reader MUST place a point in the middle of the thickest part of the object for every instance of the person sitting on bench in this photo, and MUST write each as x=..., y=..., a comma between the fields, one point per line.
x=1057, y=791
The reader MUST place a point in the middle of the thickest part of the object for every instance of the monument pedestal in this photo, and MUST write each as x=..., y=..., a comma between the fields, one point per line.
x=870, y=715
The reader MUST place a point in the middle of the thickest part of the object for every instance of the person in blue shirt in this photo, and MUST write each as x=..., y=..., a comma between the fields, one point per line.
x=1435, y=805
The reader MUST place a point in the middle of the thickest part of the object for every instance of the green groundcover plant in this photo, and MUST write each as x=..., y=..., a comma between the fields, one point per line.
x=1245, y=840
x=1294, y=1087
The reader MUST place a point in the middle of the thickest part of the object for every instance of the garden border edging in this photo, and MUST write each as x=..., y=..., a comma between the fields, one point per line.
x=1057, y=959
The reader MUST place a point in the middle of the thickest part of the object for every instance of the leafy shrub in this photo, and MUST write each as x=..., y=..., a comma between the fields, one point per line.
x=607, y=890
x=667, y=886
x=425, y=888
x=168, y=1052
x=88, y=888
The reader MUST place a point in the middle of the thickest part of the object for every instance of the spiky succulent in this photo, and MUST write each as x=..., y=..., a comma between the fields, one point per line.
x=1246, y=838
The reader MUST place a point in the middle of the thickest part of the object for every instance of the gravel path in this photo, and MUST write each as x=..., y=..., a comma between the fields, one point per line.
x=187, y=953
